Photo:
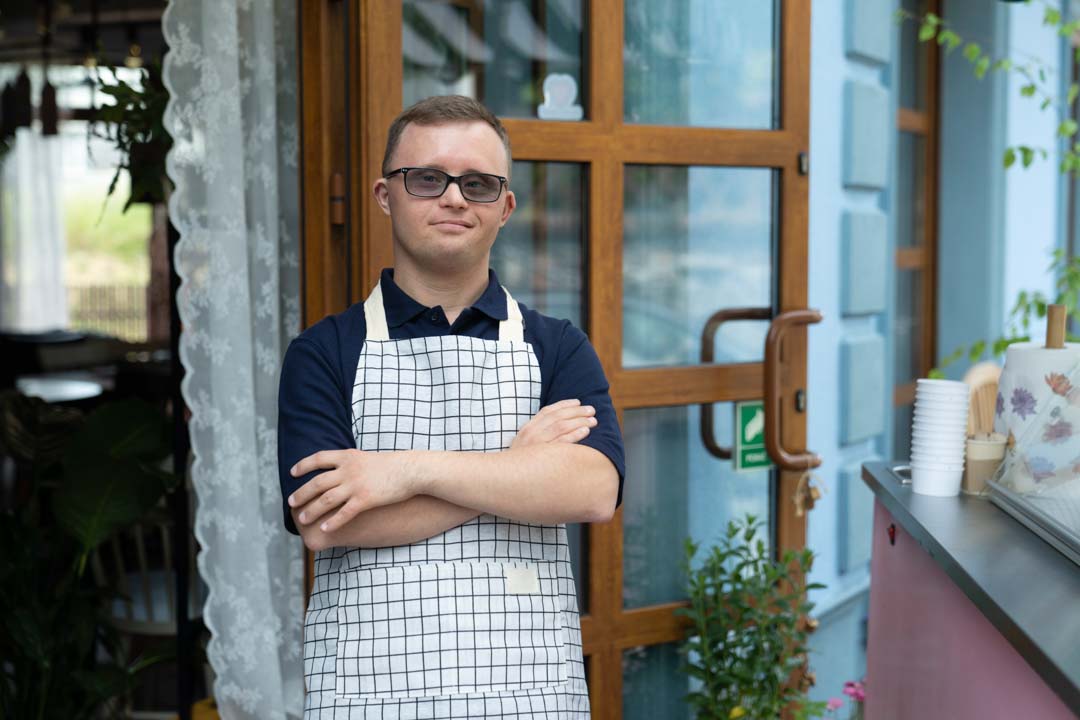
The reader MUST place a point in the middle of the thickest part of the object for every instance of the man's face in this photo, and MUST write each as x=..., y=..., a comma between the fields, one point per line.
x=447, y=232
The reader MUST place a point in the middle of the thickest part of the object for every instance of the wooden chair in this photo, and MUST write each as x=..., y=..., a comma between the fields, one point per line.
x=983, y=381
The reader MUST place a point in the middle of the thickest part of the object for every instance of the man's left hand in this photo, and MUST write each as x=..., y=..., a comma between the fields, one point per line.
x=354, y=481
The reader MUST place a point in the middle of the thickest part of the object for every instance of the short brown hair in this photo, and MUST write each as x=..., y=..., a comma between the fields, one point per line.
x=444, y=109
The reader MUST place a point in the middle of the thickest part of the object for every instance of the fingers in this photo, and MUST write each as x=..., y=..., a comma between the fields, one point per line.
x=313, y=488
x=347, y=512
x=321, y=505
x=570, y=425
x=572, y=402
x=322, y=460
x=574, y=436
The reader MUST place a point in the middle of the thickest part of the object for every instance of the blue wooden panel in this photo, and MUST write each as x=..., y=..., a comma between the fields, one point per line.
x=866, y=262
x=866, y=135
x=856, y=519
x=863, y=388
x=870, y=30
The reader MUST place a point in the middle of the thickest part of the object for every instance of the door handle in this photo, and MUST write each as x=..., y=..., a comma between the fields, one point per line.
x=708, y=342
x=773, y=395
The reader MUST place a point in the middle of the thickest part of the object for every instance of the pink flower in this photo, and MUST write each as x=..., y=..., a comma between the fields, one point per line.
x=834, y=704
x=855, y=690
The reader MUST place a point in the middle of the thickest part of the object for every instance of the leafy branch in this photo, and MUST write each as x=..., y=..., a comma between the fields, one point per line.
x=1035, y=73
x=1029, y=307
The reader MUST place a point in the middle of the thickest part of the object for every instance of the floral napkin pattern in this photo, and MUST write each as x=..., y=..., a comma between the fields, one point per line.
x=1047, y=451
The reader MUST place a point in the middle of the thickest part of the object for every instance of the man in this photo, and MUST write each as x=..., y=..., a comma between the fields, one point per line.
x=443, y=586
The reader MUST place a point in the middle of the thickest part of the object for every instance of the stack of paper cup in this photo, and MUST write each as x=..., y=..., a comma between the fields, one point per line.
x=938, y=437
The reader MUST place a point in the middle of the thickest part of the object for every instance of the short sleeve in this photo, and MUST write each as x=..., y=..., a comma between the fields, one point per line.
x=577, y=373
x=313, y=414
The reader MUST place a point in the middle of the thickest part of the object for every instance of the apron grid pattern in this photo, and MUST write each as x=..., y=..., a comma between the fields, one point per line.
x=434, y=629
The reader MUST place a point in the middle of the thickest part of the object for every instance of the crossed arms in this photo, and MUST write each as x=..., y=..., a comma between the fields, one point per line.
x=379, y=499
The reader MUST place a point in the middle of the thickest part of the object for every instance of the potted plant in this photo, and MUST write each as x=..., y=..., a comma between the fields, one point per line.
x=135, y=126
x=82, y=479
x=746, y=643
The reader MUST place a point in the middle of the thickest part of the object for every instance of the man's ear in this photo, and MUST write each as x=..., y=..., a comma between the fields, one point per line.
x=381, y=191
x=508, y=208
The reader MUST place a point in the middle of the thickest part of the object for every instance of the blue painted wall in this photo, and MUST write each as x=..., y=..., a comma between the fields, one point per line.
x=995, y=233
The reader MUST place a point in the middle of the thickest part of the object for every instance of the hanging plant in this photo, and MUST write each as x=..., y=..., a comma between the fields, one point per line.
x=135, y=126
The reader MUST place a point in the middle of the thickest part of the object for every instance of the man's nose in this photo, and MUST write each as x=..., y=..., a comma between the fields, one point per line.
x=453, y=197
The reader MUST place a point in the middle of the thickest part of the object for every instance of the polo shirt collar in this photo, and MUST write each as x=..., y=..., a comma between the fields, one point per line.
x=401, y=308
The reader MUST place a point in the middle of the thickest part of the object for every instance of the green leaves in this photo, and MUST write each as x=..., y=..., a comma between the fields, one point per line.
x=111, y=471
x=746, y=636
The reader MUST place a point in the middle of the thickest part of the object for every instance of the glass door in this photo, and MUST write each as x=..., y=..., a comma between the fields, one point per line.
x=660, y=170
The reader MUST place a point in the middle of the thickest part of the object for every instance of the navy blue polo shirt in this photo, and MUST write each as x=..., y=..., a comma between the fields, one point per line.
x=319, y=370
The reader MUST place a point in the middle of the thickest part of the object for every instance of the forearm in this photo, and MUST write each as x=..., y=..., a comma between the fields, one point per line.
x=551, y=483
x=418, y=518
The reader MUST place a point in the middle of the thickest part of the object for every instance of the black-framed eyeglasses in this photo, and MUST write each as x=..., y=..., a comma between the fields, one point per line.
x=430, y=183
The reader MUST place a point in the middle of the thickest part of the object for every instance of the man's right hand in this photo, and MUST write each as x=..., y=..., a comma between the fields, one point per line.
x=565, y=421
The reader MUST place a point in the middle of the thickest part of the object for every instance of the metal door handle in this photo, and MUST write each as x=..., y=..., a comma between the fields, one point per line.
x=708, y=341
x=773, y=445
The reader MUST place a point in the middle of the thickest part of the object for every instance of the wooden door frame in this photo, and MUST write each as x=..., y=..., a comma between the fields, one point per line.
x=336, y=78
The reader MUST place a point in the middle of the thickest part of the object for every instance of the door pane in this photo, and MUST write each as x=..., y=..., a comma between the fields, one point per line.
x=907, y=327
x=696, y=240
x=912, y=59
x=676, y=489
x=711, y=63
x=653, y=684
x=911, y=190
x=540, y=253
x=498, y=52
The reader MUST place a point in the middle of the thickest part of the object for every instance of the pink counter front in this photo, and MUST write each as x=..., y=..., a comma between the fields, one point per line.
x=932, y=652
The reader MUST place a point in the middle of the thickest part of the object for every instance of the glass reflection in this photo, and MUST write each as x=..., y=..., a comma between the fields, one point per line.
x=676, y=489
x=500, y=52
x=539, y=255
x=711, y=63
x=654, y=686
x=540, y=252
x=695, y=240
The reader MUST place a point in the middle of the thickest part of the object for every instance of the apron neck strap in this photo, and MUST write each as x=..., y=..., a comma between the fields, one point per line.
x=512, y=328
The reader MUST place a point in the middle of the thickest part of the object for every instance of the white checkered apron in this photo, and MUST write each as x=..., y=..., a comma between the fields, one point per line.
x=480, y=621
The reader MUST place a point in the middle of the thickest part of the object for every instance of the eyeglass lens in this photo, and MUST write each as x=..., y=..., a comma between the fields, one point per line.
x=479, y=187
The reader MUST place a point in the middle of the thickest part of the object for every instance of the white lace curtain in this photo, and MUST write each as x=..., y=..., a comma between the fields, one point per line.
x=33, y=297
x=231, y=73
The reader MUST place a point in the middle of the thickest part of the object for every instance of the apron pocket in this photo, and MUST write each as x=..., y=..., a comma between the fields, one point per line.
x=449, y=629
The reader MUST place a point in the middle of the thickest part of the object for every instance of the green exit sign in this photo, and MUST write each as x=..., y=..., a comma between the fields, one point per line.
x=750, y=453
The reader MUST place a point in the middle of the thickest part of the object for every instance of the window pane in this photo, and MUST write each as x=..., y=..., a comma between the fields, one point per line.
x=907, y=327
x=509, y=55
x=696, y=240
x=653, y=684
x=540, y=252
x=676, y=489
x=910, y=190
x=539, y=256
x=711, y=63
x=912, y=59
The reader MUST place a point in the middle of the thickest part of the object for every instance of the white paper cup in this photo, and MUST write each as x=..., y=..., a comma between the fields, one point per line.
x=936, y=482
x=938, y=460
x=947, y=453
x=933, y=410
x=956, y=436
x=927, y=418
x=957, y=406
x=941, y=385
x=935, y=394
